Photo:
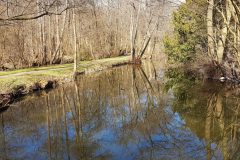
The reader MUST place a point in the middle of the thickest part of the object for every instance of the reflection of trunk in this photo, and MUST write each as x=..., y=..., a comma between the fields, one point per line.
x=235, y=127
x=79, y=120
x=208, y=124
x=219, y=114
x=133, y=98
x=65, y=124
x=73, y=114
x=3, y=138
x=146, y=78
x=151, y=70
x=78, y=110
x=215, y=112
x=235, y=133
x=147, y=84
x=49, y=127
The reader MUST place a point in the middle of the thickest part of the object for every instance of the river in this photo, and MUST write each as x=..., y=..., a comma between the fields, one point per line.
x=125, y=113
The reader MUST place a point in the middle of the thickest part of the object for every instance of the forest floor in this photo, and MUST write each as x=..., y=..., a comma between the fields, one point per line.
x=30, y=79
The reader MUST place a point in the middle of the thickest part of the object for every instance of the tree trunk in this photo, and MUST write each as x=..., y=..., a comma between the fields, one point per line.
x=223, y=35
x=211, y=51
x=134, y=32
x=75, y=42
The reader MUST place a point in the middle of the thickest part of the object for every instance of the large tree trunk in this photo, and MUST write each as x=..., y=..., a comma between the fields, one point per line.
x=210, y=33
x=223, y=34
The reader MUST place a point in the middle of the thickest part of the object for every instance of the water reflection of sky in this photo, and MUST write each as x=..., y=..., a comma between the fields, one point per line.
x=173, y=142
x=176, y=142
x=122, y=131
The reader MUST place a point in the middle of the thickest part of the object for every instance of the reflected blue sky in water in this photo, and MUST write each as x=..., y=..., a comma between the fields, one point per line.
x=95, y=119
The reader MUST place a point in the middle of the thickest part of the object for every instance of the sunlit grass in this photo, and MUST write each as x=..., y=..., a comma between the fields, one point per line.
x=3, y=73
x=28, y=77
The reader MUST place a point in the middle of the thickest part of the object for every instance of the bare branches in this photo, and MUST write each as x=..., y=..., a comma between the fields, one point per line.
x=32, y=16
x=29, y=11
x=56, y=31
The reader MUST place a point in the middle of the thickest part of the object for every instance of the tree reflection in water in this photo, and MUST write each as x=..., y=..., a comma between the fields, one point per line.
x=211, y=110
x=125, y=113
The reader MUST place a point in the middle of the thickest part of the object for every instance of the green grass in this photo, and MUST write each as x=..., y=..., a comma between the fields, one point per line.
x=9, y=81
x=3, y=73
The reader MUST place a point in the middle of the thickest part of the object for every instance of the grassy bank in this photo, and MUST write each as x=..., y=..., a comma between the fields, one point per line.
x=27, y=80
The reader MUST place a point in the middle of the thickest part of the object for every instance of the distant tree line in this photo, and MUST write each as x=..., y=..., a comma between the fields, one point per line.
x=45, y=32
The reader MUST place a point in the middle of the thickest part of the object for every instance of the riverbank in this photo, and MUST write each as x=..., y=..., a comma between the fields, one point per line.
x=16, y=83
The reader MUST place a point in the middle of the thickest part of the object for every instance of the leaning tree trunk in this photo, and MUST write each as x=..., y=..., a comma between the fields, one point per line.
x=223, y=34
x=134, y=32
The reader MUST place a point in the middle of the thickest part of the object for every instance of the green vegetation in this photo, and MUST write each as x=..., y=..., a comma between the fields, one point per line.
x=207, y=36
x=5, y=73
x=189, y=32
x=33, y=78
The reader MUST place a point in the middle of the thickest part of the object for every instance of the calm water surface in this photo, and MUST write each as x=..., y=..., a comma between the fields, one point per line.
x=122, y=114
